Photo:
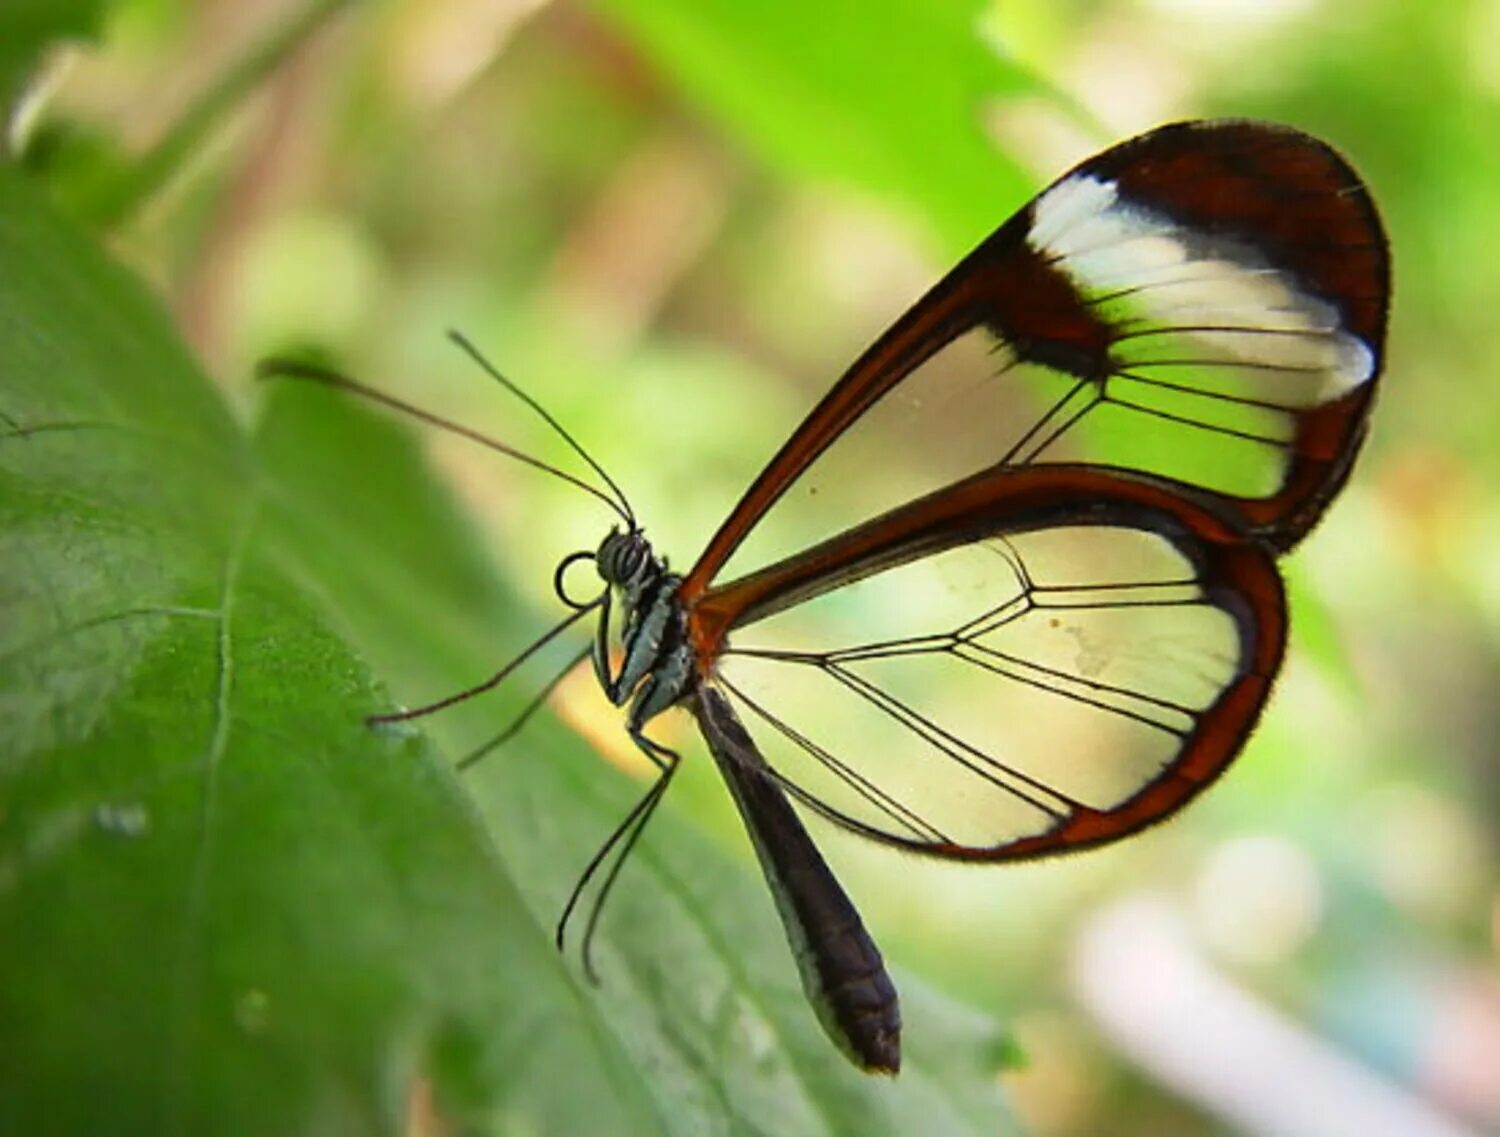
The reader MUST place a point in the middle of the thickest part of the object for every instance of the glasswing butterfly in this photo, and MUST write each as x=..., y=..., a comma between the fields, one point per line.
x=1059, y=625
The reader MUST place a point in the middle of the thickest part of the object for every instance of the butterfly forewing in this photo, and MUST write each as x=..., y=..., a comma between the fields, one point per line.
x=1205, y=302
x=920, y=437
x=1020, y=593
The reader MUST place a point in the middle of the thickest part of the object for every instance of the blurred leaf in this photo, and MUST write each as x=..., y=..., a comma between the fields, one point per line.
x=227, y=906
x=75, y=159
x=890, y=96
x=1317, y=633
x=119, y=192
x=28, y=28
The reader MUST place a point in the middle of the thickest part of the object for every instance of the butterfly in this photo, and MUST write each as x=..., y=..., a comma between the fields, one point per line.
x=1040, y=609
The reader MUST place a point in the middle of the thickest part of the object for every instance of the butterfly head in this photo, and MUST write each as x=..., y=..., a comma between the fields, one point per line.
x=624, y=558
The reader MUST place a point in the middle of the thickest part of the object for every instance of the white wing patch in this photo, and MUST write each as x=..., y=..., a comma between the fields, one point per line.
x=1217, y=295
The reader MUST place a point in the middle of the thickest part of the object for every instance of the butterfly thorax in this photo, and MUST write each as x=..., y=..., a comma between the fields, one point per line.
x=648, y=632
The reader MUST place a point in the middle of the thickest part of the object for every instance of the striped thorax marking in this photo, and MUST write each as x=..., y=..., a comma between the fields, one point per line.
x=656, y=667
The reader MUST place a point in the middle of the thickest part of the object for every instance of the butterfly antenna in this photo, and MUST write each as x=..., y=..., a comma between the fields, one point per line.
x=313, y=373
x=467, y=346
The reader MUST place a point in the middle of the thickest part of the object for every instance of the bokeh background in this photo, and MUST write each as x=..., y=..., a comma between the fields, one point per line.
x=677, y=223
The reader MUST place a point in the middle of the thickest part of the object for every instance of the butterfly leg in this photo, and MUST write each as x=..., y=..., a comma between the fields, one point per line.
x=628, y=834
x=524, y=717
x=656, y=692
x=624, y=838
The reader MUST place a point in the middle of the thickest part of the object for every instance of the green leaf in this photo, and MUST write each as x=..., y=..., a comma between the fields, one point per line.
x=228, y=906
x=29, y=27
x=890, y=96
x=1317, y=631
x=119, y=190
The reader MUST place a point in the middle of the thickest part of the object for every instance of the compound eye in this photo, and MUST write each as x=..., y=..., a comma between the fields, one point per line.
x=610, y=556
x=632, y=557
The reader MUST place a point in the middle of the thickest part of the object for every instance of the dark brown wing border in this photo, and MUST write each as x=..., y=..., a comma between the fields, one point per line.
x=1283, y=194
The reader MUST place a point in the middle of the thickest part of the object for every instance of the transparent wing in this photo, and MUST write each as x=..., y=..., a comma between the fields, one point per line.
x=1020, y=695
x=1018, y=591
x=1205, y=303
